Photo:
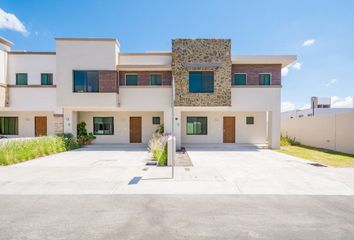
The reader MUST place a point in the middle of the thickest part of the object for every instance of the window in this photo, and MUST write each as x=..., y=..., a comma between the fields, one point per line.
x=156, y=79
x=156, y=120
x=9, y=125
x=46, y=78
x=21, y=79
x=240, y=79
x=201, y=82
x=131, y=79
x=264, y=79
x=86, y=81
x=197, y=125
x=249, y=120
x=103, y=126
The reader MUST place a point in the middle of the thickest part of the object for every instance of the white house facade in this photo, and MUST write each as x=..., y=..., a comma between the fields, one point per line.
x=124, y=97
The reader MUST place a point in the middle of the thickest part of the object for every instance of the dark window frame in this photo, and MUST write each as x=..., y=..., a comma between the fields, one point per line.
x=196, y=117
x=131, y=74
x=234, y=83
x=17, y=75
x=154, y=120
x=262, y=74
x=2, y=131
x=201, y=90
x=103, y=134
x=156, y=74
x=87, y=82
x=50, y=79
x=249, y=120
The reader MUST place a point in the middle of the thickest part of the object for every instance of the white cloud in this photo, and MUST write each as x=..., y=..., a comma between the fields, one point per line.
x=305, y=106
x=287, y=106
x=338, y=102
x=330, y=82
x=309, y=42
x=11, y=22
x=296, y=66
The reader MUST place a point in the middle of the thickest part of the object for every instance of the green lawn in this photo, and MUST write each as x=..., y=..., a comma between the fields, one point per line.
x=323, y=156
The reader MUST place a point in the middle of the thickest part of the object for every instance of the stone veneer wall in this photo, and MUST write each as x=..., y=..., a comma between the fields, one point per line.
x=202, y=51
x=253, y=70
x=58, y=124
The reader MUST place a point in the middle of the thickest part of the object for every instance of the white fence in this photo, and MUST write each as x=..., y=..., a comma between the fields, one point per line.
x=334, y=131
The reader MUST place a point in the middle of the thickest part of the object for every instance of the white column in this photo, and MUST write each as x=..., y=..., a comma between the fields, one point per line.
x=178, y=121
x=167, y=120
x=70, y=121
x=274, y=129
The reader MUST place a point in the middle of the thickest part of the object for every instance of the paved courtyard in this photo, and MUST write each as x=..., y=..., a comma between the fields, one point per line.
x=217, y=170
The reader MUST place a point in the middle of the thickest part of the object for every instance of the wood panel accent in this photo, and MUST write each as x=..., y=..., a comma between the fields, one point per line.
x=40, y=126
x=135, y=129
x=229, y=130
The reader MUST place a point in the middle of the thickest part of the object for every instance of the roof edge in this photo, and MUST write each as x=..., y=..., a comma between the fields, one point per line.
x=88, y=39
x=6, y=42
x=31, y=53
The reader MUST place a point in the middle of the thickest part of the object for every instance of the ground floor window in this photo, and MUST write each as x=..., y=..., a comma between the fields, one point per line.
x=103, y=126
x=156, y=120
x=249, y=120
x=9, y=125
x=197, y=125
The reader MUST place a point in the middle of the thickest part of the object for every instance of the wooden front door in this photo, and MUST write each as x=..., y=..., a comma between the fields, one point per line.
x=135, y=129
x=229, y=129
x=40, y=126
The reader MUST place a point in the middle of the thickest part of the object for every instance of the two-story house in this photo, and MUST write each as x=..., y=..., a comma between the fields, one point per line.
x=124, y=97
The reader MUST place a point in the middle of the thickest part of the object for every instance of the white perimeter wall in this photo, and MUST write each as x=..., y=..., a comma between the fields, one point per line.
x=335, y=132
x=252, y=134
x=26, y=122
x=121, y=125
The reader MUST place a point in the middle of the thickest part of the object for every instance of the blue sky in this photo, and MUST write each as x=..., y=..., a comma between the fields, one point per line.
x=325, y=64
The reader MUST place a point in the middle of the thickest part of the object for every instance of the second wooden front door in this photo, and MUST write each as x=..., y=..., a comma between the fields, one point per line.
x=135, y=129
x=229, y=129
x=40, y=126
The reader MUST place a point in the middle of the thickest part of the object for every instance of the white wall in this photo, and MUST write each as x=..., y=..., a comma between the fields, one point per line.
x=252, y=134
x=335, y=131
x=32, y=99
x=33, y=65
x=84, y=55
x=26, y=122
x=145, y=98
x=121, y=125
x=255, y=98
x=145, y=59
x=3, y=64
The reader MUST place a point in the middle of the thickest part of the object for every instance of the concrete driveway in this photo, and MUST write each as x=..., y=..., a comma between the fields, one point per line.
x=227, y=169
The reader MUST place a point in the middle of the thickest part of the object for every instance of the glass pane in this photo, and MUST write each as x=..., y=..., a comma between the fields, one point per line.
x=8, y=125
x=207, y=81
x=240, y=79
x=47, y=79
x=131, y=80
x=21, y=79
x=195, y=80
x=264, y=79
x=103, y=125
x=196, y=125
x=92, y=81
x=156, y=79
x=80, y=81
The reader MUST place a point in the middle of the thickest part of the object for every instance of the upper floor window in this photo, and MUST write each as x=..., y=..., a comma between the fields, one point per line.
x=156, y=79
x=264, y=78
x=201, y=82
x=240, y=79
x=86, y=81
x=21, y=79
x=9, y=125
x=197, y=125
x=103, y=126
x=46, y=78
x=131, y=79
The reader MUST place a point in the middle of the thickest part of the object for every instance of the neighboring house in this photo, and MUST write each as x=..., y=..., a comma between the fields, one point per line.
x=124, y=97
x=318, y=106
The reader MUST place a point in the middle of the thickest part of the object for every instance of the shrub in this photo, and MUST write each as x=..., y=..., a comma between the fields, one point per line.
x=82, y=135
x=160, y=130
x=288, y=141
x=158, y=148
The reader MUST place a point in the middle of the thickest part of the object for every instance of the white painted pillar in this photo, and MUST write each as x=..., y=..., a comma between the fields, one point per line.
x=167, y=120
x=177, y=126
x=274, y=129
x=70, y=121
